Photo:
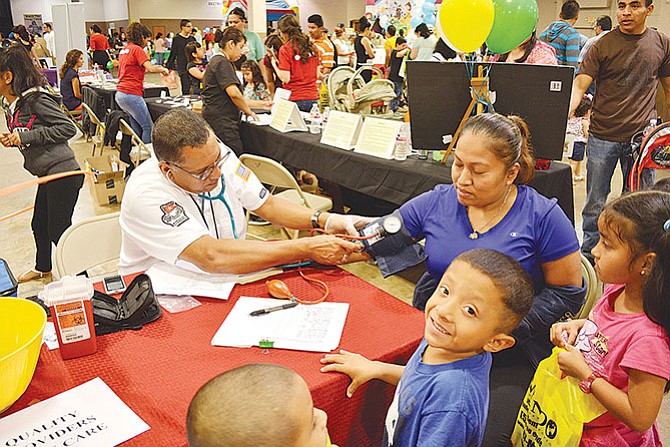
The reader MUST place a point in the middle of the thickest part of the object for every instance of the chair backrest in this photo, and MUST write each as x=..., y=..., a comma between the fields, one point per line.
x=91, y=114
x=143, y=149
x=592, y=295
x=272, y=173
x=88, y=243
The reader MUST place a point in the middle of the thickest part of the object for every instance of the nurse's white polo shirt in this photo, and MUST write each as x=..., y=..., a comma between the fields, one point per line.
x=159, y=219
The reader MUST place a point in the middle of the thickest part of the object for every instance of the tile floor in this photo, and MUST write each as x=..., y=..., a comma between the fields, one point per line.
x=18, y=247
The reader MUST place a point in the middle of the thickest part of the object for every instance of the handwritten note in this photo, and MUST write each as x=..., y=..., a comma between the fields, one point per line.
x=307, y=327
x=342, y=129
x=378, y=137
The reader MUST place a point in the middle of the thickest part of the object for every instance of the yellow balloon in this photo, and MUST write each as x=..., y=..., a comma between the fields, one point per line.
x=466, y=23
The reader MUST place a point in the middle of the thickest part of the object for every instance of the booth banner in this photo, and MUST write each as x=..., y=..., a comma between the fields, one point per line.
x=33, y=23
x=402, y=14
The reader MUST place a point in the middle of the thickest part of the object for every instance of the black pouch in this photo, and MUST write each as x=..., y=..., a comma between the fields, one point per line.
x=137, y=307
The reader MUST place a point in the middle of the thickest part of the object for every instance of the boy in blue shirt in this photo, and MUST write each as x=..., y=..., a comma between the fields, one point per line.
x=442, y=396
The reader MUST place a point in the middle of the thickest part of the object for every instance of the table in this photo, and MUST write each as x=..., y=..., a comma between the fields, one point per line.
x=159, y=106
x=390, y=180
x=107, y=91
x=157, y=370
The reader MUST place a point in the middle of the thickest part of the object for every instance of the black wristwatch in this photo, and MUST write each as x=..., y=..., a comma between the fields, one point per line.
x=315, y=218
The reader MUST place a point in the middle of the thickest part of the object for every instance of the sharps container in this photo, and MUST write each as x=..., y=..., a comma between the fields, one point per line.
x=72, y=314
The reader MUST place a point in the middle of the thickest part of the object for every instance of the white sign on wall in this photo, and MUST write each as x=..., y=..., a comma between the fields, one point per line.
x=215, y=4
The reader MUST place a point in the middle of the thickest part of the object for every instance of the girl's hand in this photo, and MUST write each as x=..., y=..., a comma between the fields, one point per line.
x=11, y=139
x=573, y=364
x=253, y=116
x=356, y=366
x=266, y=105
x=563, y=334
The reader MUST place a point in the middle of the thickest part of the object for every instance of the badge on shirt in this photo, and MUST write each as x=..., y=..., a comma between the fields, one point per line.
x=243, y=172
x=173, y=214
x=263, y=193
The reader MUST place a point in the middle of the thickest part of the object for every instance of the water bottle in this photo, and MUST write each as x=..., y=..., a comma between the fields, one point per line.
x=651, y=126
x=401, y=147
x=314, y=114
x=325, y=115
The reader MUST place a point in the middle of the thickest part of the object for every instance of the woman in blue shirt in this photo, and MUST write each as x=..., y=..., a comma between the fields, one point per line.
x=70, y=87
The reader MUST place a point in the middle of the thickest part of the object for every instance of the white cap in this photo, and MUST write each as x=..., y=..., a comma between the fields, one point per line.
x=68, y=289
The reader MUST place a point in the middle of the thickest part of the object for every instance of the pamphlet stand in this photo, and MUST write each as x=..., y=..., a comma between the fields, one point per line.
x=479, y=89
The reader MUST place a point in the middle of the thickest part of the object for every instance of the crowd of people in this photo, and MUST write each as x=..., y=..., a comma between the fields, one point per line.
x=504, y=273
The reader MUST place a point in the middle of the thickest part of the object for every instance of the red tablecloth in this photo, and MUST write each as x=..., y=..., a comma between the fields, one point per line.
x=157, y=370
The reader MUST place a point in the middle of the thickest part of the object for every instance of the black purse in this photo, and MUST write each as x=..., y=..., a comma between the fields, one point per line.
x=137, y=307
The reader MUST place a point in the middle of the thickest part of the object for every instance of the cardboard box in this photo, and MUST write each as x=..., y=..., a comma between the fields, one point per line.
x=108, y=185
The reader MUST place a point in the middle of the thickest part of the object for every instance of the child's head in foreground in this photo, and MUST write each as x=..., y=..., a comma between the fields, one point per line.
x=257, y=405
x=479, y=301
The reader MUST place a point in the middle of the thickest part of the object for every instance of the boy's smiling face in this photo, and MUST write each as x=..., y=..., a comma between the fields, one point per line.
x=464, y=316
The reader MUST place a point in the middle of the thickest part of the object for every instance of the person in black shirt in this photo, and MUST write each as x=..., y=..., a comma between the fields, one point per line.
x=395, y=62
x=177, y=60
x=195, y=54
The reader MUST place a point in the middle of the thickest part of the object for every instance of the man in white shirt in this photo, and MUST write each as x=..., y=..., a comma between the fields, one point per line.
x=49, y=38
x=187, y=205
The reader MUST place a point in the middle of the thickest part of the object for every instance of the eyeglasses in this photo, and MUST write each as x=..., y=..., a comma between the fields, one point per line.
x=204, y=175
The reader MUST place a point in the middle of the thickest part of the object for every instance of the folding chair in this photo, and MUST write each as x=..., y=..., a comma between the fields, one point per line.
x=88, y=243
x=272, y=173
x=75, y=116
x=140, y=151
x=99, y=134
x=592, y=288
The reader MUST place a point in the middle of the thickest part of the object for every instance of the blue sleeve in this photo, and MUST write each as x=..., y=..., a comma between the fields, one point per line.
x=414, y=212
x=556, y=236
x=446, y=428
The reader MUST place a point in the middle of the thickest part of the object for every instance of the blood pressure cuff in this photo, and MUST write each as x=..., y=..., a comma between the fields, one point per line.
x=395, y=252
x=136, y=307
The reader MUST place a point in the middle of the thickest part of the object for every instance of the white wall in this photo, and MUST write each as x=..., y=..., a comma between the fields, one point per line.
x=171, y=9
x=331, y=11
x=94, y=10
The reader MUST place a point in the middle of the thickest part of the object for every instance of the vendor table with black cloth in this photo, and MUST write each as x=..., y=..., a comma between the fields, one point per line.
x=107, y=91
x=157, y=370
x=390, y=180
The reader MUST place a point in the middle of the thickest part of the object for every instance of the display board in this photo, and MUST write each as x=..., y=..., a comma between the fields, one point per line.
x=439, y=94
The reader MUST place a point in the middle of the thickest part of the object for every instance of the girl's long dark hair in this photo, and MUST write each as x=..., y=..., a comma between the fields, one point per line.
x=527, y=50
x=71, y=59
x=256, y=75
x=300, y=42
x=16, y=59
x=641, y=220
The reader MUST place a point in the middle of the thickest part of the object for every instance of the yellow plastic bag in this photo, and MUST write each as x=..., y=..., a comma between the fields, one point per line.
x=554, y=410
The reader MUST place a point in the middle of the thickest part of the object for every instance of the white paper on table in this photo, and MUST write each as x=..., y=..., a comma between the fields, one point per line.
x=280, y=93
x=49, y=336
x=306, y=327
x=97, y=416
x=264, y=119
x=172, y=280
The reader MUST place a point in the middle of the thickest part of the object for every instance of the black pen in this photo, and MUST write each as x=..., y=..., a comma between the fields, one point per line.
x=273, y=309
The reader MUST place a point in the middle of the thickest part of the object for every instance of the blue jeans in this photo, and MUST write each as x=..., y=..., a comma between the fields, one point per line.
x=140, y=120
x=397, y=89
x=305, y=105
x=602, y=158
x=159, y=58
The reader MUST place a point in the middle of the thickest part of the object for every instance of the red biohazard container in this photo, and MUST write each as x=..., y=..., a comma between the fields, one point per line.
x=72, y=314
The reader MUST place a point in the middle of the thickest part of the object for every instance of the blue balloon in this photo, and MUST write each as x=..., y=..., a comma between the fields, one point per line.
x=416, y=21
x=429, y=20
x=428, y=9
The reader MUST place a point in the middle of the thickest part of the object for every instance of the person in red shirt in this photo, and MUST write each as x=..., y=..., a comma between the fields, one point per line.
x=133, y=63
x=99, y=47
x=298, y=63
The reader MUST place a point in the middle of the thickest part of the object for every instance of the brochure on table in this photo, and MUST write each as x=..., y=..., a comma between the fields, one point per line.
x=378, y=137
x=306, y=327
x=287, y=117
x=342, y=129
x=280, y=93
x=89, y=415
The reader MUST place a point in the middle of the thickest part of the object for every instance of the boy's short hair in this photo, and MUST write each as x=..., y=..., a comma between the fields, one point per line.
x=391, y=30
x=604, y=22
x=662, y=185
x=400, y=41
x=184, y=22
x=509, y=277
x=244, y=407
x=569, y=10
x=315, y=19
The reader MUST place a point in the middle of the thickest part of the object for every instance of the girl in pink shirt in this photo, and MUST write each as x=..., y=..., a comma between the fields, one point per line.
x=621, y=352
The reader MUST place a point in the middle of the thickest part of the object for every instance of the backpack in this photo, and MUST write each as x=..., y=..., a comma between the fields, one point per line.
x=136, y=307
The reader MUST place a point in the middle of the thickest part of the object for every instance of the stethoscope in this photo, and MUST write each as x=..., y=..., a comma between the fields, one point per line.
x=211, y=199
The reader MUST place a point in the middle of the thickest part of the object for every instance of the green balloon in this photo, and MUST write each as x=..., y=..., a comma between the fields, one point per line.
x=110, y=65
x=513, y=22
